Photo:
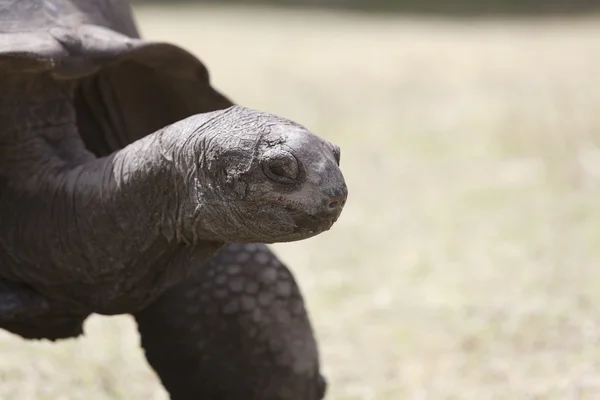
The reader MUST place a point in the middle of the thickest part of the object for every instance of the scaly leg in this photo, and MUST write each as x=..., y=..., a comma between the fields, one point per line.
x=236, y=330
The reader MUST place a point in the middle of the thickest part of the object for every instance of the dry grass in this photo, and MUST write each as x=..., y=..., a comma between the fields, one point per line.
x=467, y=261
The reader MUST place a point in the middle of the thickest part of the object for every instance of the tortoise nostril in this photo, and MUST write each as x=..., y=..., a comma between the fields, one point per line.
x=334, y=201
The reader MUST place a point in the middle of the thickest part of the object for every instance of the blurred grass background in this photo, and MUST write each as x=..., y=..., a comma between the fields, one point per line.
x=466, y=264
x=443, y=7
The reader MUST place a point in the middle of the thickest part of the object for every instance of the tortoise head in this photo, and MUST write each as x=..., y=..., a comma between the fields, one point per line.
x=266, y=177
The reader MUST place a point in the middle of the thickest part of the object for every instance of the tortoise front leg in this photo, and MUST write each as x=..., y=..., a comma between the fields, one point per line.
x=237, y=329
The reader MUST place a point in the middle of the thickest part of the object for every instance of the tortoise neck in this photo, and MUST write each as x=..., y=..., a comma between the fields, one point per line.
x=37, y=112
x=34, y=102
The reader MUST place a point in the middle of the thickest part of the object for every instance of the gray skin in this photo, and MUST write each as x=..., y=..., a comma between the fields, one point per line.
x=126, y=179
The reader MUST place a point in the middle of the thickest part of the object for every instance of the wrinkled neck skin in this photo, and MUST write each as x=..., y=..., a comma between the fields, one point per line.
x=69, y=218
x=45, y=120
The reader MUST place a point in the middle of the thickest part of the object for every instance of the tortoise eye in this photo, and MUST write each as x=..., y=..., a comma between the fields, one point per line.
x=281, y=167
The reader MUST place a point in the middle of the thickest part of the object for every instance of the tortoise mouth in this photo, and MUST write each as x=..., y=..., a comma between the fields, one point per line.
x=306, y=222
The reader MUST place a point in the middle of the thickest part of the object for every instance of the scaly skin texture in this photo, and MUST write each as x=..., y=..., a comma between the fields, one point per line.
x=242, y=332
x=151, y=259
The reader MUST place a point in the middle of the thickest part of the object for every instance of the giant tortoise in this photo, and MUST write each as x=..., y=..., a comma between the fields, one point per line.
x=129, y=185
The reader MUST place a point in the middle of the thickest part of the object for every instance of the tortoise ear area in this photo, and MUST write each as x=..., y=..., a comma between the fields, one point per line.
x=232, y=186
x=231, y=170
